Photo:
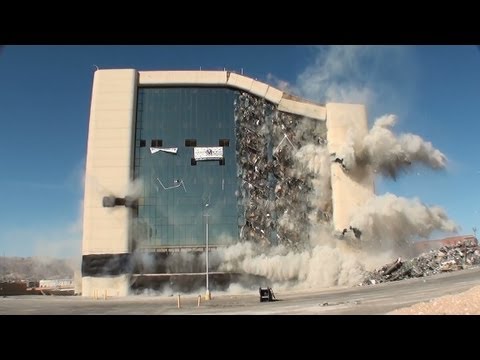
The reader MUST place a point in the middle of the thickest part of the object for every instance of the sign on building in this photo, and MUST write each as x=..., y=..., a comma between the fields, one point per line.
x=208, y=153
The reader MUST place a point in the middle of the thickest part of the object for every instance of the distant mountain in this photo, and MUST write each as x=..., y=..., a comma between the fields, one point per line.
x=36, y=268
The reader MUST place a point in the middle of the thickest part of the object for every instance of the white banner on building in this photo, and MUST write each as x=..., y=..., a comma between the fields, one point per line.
x=154, y=150
x=208, y=153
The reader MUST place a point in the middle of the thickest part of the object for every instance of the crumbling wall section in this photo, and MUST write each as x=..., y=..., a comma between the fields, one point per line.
x=277, y=196
x=252, y=153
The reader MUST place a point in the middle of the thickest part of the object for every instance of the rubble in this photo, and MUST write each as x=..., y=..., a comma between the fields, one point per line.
x=334, y=158
x=447, y=258
x=354, y=302
x=273, y=195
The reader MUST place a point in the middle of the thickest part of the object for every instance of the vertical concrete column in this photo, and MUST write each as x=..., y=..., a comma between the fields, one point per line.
x=108, y=172
x=350, y=189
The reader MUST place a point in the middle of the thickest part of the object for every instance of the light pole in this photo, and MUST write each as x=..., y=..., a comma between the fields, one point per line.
x=207, y=293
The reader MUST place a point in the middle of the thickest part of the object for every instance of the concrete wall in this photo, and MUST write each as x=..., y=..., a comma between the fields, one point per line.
x=350, y=190
x=312, y=111
x=237, y=81
x=99, y=287
x=108, y=167
x=182, y=78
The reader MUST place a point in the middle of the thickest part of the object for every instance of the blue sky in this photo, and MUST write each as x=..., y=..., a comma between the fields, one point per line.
x=45, y=96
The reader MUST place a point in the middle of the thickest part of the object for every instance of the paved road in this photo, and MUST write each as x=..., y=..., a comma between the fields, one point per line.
x=376, y=299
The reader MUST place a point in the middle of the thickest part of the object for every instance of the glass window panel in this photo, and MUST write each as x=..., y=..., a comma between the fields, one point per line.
x=175, y=203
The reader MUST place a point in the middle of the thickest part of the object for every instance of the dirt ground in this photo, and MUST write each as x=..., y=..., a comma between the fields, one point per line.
x=466, y=303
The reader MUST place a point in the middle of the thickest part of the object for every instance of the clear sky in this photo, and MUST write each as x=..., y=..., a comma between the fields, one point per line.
x=45, y=94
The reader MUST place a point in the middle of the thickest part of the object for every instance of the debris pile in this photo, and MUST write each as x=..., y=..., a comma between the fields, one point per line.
x=274, y=195
x=447, y=258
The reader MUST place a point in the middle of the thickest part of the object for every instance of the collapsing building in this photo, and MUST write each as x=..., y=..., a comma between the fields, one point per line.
x=181, y=160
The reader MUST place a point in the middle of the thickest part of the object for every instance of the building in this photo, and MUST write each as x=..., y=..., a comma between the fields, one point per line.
x=178, y=157
x=56, y=284
x=427, y=245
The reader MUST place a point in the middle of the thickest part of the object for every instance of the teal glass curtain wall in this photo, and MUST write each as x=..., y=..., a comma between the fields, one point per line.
x=177, y=195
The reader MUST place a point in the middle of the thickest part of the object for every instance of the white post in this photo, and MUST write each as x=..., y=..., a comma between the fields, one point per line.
x=207, y=295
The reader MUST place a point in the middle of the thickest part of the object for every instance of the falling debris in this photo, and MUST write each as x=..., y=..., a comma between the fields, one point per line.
x=277, y=185
x=447, y=258
x=338, y=160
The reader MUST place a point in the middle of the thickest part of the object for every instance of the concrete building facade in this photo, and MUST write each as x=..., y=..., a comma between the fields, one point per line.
x=169, y=151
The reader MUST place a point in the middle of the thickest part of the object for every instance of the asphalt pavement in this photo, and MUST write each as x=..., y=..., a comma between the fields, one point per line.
x=360, y=300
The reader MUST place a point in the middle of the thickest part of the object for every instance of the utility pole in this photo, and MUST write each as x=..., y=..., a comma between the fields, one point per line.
x=207, y=295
